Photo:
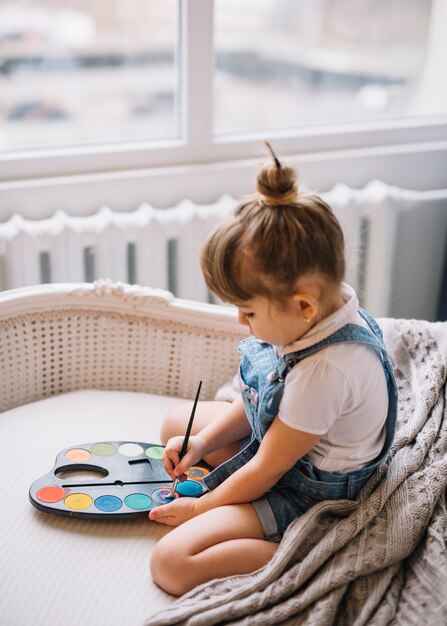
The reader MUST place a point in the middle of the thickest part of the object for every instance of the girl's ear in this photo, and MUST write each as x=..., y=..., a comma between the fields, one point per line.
x=307, y=306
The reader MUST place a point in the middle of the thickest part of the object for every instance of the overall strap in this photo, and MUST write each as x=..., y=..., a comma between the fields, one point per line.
x=350, y=333
x=371, y=323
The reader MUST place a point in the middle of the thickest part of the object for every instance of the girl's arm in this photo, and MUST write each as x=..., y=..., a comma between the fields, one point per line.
x=280, y=449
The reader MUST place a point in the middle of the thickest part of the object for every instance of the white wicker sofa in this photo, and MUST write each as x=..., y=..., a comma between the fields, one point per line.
x=104, y=362
x=84, y=363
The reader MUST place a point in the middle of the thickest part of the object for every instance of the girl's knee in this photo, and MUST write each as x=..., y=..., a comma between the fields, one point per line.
x=173, y=422
x=176, y=420
x=168, y=566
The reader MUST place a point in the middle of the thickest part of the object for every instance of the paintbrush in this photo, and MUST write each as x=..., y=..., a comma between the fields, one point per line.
x=186, y=439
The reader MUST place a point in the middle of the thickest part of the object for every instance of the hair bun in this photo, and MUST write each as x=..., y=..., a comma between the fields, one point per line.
x=276, y=182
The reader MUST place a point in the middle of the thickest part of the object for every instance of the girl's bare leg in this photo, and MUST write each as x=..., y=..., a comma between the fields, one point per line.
x=225, y=541
x=176, y=421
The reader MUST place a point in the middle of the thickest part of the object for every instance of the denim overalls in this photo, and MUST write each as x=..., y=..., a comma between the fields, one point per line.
x=262, y=373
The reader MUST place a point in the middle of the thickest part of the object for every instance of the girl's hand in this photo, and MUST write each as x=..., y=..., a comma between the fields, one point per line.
x=171, y=459
x=175, y=513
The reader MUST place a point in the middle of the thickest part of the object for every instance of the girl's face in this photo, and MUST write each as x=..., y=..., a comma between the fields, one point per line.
x=272, y=324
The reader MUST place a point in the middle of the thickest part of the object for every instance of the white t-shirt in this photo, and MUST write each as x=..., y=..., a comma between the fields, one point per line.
x=340, y=393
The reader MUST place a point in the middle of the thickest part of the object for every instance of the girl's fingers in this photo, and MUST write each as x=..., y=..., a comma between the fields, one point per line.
x=168, y=464
x=184, y=464
x=169, y=467
x=172, y=463
x=194, y=453
x=171, y=456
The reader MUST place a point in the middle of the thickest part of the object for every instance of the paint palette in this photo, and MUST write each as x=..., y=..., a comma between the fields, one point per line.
x=110, y=479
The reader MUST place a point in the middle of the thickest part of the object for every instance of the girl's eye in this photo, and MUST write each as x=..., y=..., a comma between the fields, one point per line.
x=249, y=315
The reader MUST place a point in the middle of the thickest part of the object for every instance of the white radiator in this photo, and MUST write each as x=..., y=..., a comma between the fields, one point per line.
x=395, y=246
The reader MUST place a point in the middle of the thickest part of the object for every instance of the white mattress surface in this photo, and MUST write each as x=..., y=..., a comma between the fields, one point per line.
x=61, y=571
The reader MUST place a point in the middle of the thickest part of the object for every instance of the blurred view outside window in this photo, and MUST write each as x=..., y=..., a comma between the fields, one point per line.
x=80, y=71
x=291, y=63
x=97, y=71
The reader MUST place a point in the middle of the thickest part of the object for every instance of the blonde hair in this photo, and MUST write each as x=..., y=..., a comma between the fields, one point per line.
x=272, y=240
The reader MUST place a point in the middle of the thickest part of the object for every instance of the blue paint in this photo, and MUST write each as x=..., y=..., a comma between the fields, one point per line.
x=108, y=504
x=189, y=488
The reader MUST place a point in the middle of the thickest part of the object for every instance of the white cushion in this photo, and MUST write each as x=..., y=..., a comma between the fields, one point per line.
x=57, y=570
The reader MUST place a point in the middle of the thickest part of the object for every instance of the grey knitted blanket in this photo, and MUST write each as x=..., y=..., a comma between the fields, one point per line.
x=379, y=560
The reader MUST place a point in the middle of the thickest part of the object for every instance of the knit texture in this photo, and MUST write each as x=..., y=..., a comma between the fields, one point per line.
x=379, y=560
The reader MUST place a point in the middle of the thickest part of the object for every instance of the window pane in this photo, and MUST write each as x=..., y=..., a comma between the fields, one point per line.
x=75, y=71
x=289, y=63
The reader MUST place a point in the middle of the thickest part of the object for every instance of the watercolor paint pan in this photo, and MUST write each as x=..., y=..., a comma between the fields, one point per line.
x=110, y=479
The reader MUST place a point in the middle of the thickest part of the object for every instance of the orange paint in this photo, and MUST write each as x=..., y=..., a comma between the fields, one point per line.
x=78, y=455
x=196, y=472
x=50, y=494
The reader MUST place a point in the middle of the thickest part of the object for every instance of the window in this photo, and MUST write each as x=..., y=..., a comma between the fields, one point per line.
x=76, y=72
x=295, y=63
x=115, y=85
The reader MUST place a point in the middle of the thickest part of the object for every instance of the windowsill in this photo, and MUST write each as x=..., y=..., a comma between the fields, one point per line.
x=304, y=143
x=418, y=166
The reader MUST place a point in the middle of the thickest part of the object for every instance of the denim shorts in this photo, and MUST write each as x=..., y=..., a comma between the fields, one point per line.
x=297, y=491
x=276, y=511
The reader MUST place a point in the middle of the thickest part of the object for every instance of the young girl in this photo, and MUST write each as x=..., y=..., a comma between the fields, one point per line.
x=318, y=398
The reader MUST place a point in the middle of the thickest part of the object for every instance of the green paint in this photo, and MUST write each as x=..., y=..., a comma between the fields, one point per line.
x=103, y=449
x=155, y=452
x=138, y=501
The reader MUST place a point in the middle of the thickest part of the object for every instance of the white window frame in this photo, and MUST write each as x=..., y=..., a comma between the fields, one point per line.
x=407, y=152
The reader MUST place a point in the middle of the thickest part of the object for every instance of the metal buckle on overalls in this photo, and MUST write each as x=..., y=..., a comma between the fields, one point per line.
x=274, y=377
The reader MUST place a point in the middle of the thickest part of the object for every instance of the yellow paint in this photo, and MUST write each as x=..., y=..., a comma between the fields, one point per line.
x=78, y=501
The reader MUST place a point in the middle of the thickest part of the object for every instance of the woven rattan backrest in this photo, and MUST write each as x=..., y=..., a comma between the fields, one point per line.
x=59, y=338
